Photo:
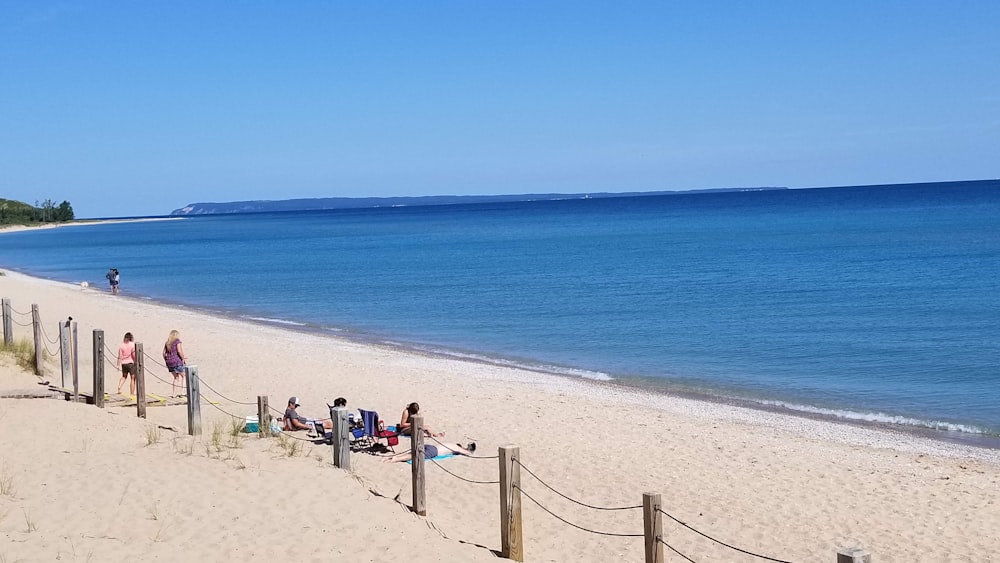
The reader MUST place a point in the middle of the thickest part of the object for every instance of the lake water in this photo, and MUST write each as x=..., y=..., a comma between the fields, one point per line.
x=876, y=304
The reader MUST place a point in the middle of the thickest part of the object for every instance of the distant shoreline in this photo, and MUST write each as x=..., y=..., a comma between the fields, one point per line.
x=80, y=223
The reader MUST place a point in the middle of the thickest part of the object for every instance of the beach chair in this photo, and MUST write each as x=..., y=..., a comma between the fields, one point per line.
x=375, y=430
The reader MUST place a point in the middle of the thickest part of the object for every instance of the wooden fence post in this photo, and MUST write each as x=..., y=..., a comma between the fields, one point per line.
x=263, y=417
x=652, y=524
x=65, y=352
x=511, y=546
x=140, y=381
x=341, y=442
x=419, y=481
x=193, y=400
x=8, y=327
x=853, y=555
x=36, y=325
x=98, y=368
x=76, y=363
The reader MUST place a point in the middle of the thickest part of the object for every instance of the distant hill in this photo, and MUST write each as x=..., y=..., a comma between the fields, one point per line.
x=13, y=212
x=315, y=204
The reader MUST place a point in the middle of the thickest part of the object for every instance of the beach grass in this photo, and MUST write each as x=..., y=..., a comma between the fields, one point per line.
x=23, y=351
x=153, y=435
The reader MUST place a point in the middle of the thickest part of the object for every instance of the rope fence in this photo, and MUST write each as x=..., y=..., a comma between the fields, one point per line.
x=577, y=526
x=671, y=548
x=551, y=488
x=509, y=483
x=720, y=542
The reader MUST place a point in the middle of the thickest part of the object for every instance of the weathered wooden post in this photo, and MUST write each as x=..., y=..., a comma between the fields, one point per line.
x=263, y=417
x=510, y=503
x=853, y=555
x=417, y=465
x=36, y=325
x=98, y=368
x=140, y=381
x=652, y=527
x=194, y=400
x=65, y=352
x=76, y=363
x=341, y=441
x=8, y=327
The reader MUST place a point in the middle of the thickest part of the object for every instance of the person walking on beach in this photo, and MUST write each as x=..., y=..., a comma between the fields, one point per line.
x=113, y=279
x=174, y=358
x=126, y=361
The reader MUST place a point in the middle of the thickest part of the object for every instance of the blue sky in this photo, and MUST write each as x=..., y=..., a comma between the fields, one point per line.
x=137, y=108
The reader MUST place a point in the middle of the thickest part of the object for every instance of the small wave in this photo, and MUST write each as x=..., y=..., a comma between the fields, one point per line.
x=273, y=321
x=545, y=368
x=879, y=417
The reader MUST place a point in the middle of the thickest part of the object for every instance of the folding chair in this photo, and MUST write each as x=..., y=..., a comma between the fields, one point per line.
x=375, y=430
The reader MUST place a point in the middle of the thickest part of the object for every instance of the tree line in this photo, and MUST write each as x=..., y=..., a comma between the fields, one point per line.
x=19, y=213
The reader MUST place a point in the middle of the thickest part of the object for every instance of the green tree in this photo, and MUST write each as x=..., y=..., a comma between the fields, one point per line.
x=64, y=212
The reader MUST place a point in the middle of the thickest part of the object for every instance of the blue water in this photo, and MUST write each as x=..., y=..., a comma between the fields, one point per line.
x=870, y=303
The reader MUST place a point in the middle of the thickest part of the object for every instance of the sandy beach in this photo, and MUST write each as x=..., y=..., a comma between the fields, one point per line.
x=86, y=484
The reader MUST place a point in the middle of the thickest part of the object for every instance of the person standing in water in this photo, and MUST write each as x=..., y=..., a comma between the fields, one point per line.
x=113, y=279
x=174, y=358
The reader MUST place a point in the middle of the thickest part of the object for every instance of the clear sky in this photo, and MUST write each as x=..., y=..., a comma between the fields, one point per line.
x=138, y=107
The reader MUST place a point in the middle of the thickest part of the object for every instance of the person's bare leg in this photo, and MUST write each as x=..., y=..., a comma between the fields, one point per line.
x=122, y=382
x=401, y=456
x=131, y=385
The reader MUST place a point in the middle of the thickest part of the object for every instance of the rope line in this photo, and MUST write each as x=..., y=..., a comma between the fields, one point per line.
x=704, y=535
x=56, y=341
x=463, y=478
x=15, y=321
x=671, y=548
x=563, y=520
x=205, y=383
x=517, y=461
x=20, y=313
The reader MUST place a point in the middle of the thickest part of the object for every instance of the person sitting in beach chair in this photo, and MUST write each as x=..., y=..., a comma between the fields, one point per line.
x=294, y=421
x=406, y=424
x=431, y=451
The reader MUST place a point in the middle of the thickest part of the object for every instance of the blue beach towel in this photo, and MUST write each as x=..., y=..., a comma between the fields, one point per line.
x=437, y=457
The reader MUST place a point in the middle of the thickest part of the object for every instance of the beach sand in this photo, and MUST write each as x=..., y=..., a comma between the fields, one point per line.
x=85, y=485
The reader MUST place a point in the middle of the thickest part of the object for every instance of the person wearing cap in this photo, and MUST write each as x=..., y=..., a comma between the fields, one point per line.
x=294, y=421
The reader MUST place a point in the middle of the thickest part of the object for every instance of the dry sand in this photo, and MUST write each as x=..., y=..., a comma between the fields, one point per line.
x=86, y=486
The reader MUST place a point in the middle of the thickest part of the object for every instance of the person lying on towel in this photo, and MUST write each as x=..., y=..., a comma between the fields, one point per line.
x=431, y=451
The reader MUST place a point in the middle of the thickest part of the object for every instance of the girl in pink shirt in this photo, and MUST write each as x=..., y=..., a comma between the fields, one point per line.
x=126, y=361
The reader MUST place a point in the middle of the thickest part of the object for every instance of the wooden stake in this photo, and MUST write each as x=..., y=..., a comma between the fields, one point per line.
x=263, y=417
x=853, y=555
x=8, y=327
x=99, y=368
x=417, y=463
x=652, y=524
x=76, y=363
x=65, y=352
x=36, y=325
x=510, y=504
x=341, y=441
x=140, y=381
x=194, y=400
